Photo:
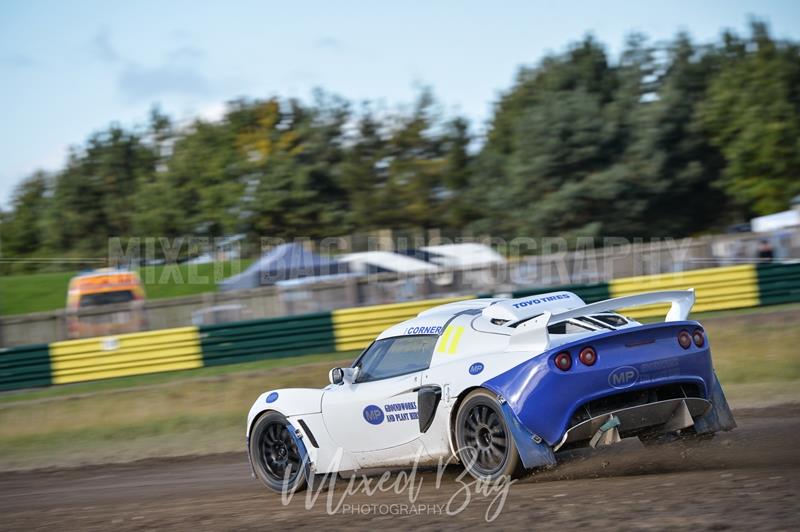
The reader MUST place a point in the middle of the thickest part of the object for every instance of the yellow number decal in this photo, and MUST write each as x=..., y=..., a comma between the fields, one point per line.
x=452, y=331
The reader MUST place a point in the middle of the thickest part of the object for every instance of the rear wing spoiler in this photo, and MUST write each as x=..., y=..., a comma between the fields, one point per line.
x=534, y=331
x=682, y=302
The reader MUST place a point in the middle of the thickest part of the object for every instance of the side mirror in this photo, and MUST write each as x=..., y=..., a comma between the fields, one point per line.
x=336, y=376
x=351, y=374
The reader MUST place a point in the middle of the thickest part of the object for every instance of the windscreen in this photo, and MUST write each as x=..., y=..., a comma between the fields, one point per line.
x=106, y=298
x=391, y=357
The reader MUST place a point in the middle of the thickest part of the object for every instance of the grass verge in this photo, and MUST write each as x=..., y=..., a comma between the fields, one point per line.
x=40, y=292
x=198, y=375
x=203, y=411
x=179, y=415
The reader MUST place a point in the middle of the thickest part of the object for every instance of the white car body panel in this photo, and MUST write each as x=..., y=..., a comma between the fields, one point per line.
x=348, y=401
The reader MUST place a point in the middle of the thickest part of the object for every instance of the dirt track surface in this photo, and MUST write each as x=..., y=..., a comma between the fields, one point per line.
x=747, y=478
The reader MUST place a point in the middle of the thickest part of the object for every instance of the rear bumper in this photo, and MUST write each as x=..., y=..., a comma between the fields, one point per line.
x=635, y=418
x=546, y=399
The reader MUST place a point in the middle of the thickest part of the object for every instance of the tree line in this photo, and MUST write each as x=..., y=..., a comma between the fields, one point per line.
x=668, y=139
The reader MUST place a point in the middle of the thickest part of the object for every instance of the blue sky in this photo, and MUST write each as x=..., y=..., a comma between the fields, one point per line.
x=68, y=68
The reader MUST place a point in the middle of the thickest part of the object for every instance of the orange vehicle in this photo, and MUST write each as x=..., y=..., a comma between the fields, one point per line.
x=104, y=302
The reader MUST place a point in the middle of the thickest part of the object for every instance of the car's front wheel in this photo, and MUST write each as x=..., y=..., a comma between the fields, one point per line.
x=486, y=446
x=275, y=456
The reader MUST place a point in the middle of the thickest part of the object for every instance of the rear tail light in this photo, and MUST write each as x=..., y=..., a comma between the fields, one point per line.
x=698, y=337
x=588, y=356
x=563, y=361
x=685, y=339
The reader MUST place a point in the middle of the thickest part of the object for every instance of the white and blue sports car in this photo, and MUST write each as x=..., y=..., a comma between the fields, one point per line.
x=499, y=385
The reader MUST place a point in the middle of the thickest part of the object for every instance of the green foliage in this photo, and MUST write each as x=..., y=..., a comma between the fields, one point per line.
x=23, y=230
x=668, y=140
x=753, y=115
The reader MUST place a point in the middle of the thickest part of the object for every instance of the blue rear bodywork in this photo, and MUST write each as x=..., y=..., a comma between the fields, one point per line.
x=544, y=398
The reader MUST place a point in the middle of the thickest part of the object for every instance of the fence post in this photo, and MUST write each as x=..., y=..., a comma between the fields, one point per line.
x=351, y=287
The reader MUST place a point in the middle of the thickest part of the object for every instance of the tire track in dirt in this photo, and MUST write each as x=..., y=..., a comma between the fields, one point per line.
x=747, y=478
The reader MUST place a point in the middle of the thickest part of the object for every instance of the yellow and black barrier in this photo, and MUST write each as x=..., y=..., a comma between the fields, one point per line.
x=349, y=329
x=125, y=355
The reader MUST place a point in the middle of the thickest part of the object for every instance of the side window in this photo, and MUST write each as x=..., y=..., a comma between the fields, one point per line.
x=391, y=357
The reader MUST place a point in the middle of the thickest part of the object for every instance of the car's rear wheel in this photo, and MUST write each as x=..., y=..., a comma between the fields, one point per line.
x=274, y=454
x=486, y=446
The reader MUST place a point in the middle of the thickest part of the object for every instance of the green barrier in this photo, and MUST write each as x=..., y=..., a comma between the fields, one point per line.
x=245, y=341
x=778, y=283
x=590, y=293
x=25, y=367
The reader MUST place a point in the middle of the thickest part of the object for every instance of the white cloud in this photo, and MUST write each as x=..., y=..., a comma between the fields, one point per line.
x=212, y=112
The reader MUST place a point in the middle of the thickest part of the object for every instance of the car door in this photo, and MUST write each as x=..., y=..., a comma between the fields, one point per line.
x=379, y=410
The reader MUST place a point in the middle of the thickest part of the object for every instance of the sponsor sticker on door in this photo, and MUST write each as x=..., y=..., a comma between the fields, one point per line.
x=373, y=414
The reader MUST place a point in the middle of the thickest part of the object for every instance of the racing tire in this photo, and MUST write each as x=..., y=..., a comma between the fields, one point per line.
x=275, y=457
x=484, y=442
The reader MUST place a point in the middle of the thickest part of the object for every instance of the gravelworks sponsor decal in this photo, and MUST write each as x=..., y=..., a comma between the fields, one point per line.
x=391, y=413
x=401, y=411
